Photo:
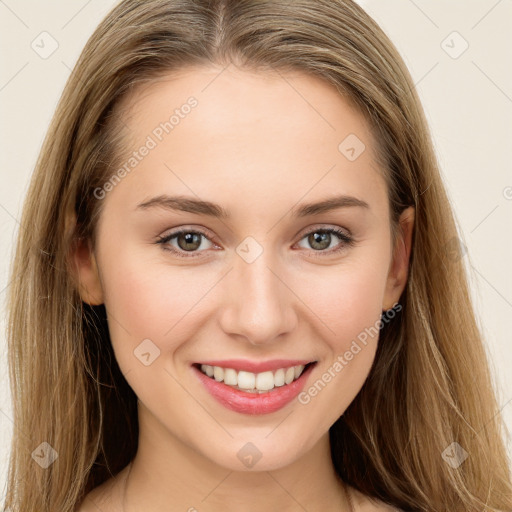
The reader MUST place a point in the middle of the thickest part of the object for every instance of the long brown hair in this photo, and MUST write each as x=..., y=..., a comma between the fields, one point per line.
x=430, y=384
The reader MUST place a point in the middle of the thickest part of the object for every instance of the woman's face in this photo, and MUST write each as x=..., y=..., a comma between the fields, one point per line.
x=262, y=288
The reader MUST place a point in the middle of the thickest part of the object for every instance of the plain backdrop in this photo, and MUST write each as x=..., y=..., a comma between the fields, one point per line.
x=459, y=54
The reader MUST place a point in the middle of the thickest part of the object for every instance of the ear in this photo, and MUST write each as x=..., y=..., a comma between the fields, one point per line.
x=86, y=272
x=399, y=267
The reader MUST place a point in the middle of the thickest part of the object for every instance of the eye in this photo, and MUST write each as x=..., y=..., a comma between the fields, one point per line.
x=187, y=240
x=190, y=241
x=321, y=238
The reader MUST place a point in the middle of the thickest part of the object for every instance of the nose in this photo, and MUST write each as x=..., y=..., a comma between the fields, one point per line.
x=259, y=306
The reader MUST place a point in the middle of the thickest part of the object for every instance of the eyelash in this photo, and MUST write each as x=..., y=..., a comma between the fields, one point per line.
x=347, y=241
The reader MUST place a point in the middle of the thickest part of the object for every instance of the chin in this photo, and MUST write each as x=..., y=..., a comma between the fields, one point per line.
x=256, y=453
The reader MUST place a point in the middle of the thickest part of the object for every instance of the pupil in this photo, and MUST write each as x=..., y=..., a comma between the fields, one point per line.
x=190, y=238
x=317, y=239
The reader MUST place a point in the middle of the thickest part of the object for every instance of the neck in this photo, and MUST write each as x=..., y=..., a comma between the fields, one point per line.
x=167, y=473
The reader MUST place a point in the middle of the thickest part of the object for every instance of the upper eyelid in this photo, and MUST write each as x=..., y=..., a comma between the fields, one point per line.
x=320, y=227
x=304, y=232
x=211, y=239
x=179, y=231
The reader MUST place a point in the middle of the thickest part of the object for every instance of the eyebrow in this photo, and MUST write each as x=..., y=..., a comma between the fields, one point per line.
x=197, y=206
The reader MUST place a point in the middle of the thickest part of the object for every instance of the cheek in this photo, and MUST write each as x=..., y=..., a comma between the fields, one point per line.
x=146, y=299
x=154, y=309
x=350, y=309
x=346, y=299
x=149, y=299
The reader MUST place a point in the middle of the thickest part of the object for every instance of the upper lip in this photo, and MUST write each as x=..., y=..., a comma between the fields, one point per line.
x=256, y=366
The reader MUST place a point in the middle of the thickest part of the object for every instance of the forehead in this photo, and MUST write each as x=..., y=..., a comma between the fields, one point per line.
x=257, y=133
x=231, y=95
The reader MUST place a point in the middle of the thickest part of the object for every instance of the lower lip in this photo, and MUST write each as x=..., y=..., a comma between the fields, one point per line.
x=253, y=403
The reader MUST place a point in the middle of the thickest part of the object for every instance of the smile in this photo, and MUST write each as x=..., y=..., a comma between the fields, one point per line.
x=253, y=382
x=254, y=392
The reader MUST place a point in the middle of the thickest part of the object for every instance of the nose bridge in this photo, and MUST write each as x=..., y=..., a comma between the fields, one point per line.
x=259, y=305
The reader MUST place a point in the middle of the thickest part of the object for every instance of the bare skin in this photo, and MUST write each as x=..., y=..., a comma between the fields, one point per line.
x=108, y=497
x=259, y=148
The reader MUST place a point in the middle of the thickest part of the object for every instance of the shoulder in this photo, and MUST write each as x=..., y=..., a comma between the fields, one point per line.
x=363, y=503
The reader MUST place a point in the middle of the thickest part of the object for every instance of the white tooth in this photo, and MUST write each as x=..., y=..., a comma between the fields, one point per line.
x=246, y=380
x=260, y=382
x=279, y=377
x=290, y=374
x=265, y=381
x=230, y=377
x=218, y=373
x=298, y=370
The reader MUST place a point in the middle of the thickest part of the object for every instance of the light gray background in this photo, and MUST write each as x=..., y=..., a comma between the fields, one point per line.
x=468, y=102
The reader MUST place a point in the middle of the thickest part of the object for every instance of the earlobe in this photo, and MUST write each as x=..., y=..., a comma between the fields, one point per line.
x=86, y=272
x=399, y=267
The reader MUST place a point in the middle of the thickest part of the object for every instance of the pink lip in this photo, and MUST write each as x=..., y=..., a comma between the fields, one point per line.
x=253, y=403
x=256, y=366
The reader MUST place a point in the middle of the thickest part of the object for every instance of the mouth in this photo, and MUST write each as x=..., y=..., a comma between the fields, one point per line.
x=256, y=392
x=251, y=382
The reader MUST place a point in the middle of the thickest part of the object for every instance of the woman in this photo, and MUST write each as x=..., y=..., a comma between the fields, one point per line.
x=236, y=284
